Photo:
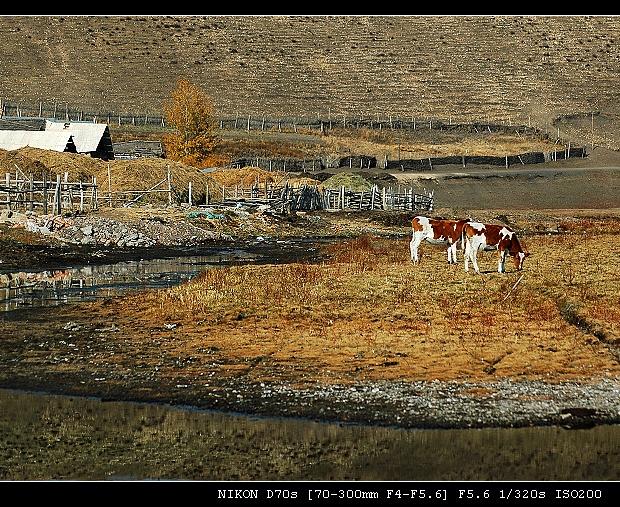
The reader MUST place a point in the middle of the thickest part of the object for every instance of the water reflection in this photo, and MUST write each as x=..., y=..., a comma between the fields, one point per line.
x=53, y=287
x=55, y=437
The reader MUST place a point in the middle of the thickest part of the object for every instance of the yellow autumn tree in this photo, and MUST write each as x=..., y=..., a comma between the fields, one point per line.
x=191, y=113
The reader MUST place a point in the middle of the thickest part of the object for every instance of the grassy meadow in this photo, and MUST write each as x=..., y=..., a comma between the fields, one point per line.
x=368, y=313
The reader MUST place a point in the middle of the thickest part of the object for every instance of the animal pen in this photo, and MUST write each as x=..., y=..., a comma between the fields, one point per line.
x=51, y=195
x=58, y=195
x=286, y=198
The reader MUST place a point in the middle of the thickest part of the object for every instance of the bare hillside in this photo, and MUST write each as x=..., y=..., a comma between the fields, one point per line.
x=516, y=69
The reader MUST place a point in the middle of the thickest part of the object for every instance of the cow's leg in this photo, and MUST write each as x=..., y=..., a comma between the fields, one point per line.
x=474, y=259
x=467, y=255
x=449, y=251
x=501, y=265
x=453, y=247
x=413, y=247
x=472, y=254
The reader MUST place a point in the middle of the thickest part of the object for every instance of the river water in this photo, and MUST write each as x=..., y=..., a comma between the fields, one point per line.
x=42, y=287
x=61, y=437
x=46, y=437
x=85, y=283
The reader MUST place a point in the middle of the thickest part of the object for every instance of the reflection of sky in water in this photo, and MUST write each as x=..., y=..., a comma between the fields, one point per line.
x=53, y=287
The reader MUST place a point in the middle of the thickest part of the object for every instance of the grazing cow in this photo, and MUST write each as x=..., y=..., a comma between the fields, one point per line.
x=436, y=232
x=478, y=236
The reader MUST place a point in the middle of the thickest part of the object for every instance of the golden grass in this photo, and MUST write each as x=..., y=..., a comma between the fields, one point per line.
x=412, y=144
x=368, y=313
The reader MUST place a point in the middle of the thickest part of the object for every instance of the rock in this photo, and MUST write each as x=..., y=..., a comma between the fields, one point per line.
x=87, y=231
x=5, y=214
x=71, y=326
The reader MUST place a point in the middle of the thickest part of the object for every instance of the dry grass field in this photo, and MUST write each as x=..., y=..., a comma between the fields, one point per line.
x=505, y=68
x=369, y=313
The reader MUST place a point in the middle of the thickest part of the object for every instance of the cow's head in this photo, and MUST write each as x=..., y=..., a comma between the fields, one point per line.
x=518, y=258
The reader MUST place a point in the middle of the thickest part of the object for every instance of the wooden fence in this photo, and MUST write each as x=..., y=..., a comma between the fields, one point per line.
x=286, y=198
x=59, y=195
x=374, y=199
x=405, y=164
x=65, y=111
x=19, y=191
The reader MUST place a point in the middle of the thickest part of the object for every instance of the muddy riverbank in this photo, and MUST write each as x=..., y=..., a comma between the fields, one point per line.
x=423, y=405
x=169, y=232
x=46, y=437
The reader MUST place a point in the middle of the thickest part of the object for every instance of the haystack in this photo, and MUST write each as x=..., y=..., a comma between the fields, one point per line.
x=247, y=176
x=349, y=180
x=124, y=175
x=10, y=161
x=79, y=166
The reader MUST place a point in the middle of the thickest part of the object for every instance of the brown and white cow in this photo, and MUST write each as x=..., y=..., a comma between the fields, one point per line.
x=436, y=232
x=479, y=236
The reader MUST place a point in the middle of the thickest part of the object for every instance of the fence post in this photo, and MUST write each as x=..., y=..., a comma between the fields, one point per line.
x=8, y=190
x=109, y=187
x=44, y=193
x=57, y=200
x=95, y=195
x=169, y=186
x=31, y=205
x=189, y=193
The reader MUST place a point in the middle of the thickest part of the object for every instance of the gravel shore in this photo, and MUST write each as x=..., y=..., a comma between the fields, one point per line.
x=435, y=404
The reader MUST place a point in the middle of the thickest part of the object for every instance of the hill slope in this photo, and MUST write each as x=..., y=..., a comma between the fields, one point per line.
x=512, y=68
